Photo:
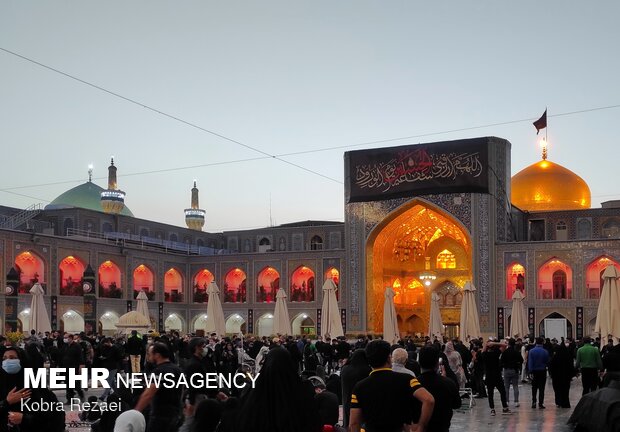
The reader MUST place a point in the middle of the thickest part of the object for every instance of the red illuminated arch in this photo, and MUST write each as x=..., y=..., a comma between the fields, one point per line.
x=515, y=279
x=110, y=277
x=202, y=279
x=71, y=271
x=235, y=290
x=302, y=285
x=555, y=280
x=268, y=283
x=31, y=269
x=143, y=281
x=594, y=275
x=173, y=286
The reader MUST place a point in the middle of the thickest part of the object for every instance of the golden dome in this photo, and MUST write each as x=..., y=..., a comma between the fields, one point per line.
x=549, y=186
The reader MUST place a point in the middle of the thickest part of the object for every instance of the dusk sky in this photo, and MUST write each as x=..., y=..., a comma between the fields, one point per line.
x=285, y=77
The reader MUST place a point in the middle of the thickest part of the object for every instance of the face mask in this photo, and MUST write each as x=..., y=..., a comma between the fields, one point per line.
x=205, y=351
x=11, y=366
x=66, y=340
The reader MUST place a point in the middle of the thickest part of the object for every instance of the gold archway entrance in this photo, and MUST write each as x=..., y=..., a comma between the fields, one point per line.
x=416, y=250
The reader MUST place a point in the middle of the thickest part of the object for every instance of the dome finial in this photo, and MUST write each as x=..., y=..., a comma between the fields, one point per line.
x=543, y=144
x=90, y=173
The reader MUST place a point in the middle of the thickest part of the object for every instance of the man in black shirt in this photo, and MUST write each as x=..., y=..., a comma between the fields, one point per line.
x=164, y=401
x=511, y=362
x=493, y=375
x=73, y=358
x=134, y=348
x=443, y=389
x=383, y=402
x=196, y=365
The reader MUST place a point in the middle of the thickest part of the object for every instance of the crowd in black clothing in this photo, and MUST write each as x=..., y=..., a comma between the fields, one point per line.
x=301, y=383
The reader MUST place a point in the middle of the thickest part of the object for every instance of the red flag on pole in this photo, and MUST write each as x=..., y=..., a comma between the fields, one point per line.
x=541, y=123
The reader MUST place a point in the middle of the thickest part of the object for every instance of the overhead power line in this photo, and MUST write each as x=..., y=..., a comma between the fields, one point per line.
x=265, y=155
x=165, y=114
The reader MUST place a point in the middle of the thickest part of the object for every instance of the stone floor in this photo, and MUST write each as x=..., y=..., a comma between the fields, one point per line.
x=478, y=418
x=522, y=419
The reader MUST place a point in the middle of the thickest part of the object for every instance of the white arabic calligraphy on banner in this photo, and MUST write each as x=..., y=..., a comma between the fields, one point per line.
x=417, y=166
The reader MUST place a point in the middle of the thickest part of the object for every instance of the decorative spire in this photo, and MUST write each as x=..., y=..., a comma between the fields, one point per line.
x=194, y=196
x=112, y=175
x=90, y=173
x=543, y=144
x=194, y=216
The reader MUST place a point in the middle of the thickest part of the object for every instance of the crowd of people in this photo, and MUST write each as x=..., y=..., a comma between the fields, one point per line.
x=302, y=384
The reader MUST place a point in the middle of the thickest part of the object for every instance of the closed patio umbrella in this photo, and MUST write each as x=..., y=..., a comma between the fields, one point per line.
x=142, y=305
x=330, y=313
x=281, y=320
x=215, y=322
x=390, y=323
x=470, y=323
x=518, y=320
x=608, y=315
x=435, y=327
x=39, y=320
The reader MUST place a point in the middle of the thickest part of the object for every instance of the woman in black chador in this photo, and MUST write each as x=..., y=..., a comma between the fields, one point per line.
x=562, y=372
x=12, y=392
x=281, y=402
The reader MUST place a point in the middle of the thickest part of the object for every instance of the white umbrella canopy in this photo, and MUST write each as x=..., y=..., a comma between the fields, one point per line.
x=435, y=327
x=281, y=320
x=142, y=305
x=39, y=320
x=390, y=323
x=518, y=320
x=331, y=324
x=470, y=323
x=215, y=322
x=608, y=315
x=133, y=320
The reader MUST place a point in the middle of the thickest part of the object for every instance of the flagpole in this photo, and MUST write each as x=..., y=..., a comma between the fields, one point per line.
x=547, y=128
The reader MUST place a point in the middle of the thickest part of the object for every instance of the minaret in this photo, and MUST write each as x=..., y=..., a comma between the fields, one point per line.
x=195, y=217
x=112, y=199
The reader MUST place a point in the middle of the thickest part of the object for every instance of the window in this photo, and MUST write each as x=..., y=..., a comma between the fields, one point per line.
x=174, y=238
x=144, y=232
x=173, y=286
x=302, y=285
x=559, y=284
x=584, y=229
x=268, y=283
x=107, y=227
x=201, y=283
x=594, y=276
x=515, y=279
x=316, y=243
x=235, y=286
x=561, y=232
x=537, y=230
x=446, y=260
x=555, y=280
x=611, y=228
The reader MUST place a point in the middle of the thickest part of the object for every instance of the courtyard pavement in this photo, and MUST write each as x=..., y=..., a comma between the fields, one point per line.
x=478, y=418
x=523, y=418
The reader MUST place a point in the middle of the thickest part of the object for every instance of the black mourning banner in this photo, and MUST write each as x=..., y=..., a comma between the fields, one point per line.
x=90, y=300
x=421, y=169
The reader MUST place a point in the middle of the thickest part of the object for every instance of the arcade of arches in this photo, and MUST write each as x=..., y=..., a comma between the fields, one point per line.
x=417, y=250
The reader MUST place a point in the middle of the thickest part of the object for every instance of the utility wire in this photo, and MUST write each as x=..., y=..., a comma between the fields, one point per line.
x=265, y=154
x=165, y=114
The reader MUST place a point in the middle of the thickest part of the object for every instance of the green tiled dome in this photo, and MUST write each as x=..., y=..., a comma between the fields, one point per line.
x=86, y=195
